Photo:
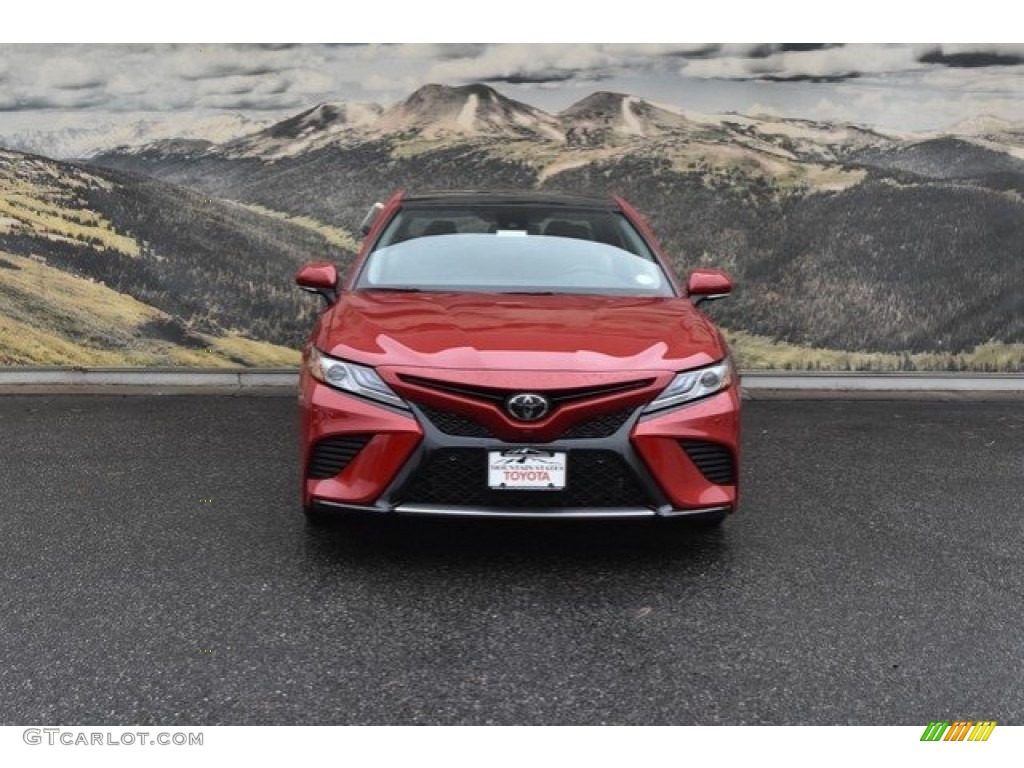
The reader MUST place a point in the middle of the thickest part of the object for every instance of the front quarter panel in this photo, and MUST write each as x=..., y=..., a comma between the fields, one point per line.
x=656, y=438
x=325, y=412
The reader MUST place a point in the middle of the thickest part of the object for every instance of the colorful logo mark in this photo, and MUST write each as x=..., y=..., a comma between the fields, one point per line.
x=958, y=730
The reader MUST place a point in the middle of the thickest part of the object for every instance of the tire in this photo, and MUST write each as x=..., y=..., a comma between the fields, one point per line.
x=705, y=522
x=318, y=517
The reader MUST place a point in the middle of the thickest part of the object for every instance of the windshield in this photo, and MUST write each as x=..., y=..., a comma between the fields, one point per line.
x=512, y=262
x=602, y=226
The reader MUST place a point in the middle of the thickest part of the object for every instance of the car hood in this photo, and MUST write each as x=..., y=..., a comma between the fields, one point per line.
x=519, y=332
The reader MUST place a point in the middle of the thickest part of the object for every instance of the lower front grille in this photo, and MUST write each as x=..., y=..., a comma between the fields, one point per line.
x=457, y=477
x=455, y=423
x=600, y=426
x=714, y=461
x=332, y=454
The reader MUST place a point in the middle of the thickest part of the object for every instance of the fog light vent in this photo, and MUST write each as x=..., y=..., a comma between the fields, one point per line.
x=332, y=454
x=714, y=461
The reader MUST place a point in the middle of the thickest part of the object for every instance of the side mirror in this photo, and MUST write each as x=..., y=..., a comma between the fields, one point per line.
x=319, y=277
x=707, y=285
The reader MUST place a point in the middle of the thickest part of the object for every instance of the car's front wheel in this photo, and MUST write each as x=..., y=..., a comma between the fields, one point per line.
x=703, y=522
x=318, y=516
x=707, y=522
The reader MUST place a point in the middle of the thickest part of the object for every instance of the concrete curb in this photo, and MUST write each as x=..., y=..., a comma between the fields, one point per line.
x=884, y=382
x=150, y=377
x=756, y=384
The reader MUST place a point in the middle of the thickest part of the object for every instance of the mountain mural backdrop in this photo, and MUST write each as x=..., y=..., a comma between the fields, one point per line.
x=852, y=248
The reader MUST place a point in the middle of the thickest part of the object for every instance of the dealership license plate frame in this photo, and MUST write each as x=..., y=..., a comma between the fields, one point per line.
x=535, y=470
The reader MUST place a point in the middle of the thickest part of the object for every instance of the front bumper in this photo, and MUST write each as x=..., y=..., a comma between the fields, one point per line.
x=408, y=466
x=539, y=513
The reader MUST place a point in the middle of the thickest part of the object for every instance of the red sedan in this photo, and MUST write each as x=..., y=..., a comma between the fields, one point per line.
x=516, y=355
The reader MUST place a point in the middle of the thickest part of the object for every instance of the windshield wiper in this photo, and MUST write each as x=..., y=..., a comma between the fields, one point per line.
x=393, y=288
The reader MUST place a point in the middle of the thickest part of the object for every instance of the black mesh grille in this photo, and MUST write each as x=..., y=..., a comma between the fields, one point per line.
x=457, y=477
x=713, y=460
x=332, y=454
x=450, y=423
x=605, y=425
x=455, y=423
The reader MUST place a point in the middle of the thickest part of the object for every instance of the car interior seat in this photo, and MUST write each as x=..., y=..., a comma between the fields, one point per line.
x=562, y=228
x=440, y=227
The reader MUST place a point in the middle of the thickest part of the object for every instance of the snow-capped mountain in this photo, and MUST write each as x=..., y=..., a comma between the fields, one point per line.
x=993, y=133
x=79, y=142
x=437, y=116
x=432, y=112
x=468, y=110
x=477, y=111
x=322, y=125
x=471, y=112
x=621, y=114
x=793, y=137
x=988, y=125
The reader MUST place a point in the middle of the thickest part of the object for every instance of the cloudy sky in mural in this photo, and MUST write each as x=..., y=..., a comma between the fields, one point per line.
x=909, y=87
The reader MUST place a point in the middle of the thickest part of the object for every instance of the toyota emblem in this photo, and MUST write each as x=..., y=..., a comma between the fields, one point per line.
x=527, y=406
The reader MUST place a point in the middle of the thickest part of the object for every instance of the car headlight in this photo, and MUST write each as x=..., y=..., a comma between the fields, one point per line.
x=349, y=377
x=693, y=385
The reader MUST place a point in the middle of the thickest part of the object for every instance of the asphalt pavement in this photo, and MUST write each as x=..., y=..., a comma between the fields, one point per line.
x=157, y=570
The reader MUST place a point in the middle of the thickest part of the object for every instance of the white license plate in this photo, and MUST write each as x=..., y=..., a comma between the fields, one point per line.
x=526, y=469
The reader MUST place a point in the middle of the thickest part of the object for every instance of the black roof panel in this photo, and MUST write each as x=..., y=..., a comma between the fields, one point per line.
x=507, y=197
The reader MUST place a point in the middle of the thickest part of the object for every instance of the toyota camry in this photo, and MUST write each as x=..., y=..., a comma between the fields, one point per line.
x=527, y=355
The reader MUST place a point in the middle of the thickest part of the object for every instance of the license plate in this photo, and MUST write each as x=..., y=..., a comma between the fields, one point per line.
x=526, y=469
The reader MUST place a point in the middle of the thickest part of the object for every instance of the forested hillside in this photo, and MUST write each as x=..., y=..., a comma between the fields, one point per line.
x=211, y=269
